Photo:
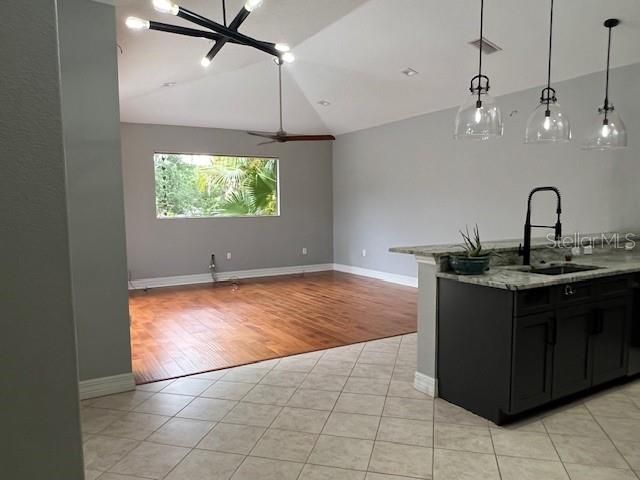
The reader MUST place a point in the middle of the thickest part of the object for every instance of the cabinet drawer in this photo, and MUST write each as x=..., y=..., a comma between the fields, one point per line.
x=575, y=292
x=616, y=286
x=533, y=300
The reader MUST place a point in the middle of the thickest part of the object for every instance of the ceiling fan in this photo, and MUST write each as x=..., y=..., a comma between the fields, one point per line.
x=281, y=136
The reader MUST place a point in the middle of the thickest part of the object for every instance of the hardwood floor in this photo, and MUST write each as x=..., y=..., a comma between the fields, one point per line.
x=186, y=330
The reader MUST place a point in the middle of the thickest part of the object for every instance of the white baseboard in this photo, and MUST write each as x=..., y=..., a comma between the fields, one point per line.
x=226, y=276
x=387, y=277
x=426, y=384
x=99, y=387
x=270, y=272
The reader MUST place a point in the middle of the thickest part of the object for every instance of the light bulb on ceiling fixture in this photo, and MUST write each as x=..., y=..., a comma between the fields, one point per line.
x=609, y=132
x=135, y=23
x=166, y=6
x=288, y=57
x=205, y=62
x=251, y=5
x=479, y=118
x=282, y=47
x=548, y=123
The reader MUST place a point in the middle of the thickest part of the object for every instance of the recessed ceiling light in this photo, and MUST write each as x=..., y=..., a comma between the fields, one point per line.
x=324, y=103
x=409, y=72
x=169, y=84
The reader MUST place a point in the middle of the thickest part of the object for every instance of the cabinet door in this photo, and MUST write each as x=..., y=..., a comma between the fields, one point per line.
x=634, y=344
x=610, y=339
x=532, y=360
x=572, y=352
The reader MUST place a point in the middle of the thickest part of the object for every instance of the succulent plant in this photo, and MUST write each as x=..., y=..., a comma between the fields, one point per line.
x=472, y=245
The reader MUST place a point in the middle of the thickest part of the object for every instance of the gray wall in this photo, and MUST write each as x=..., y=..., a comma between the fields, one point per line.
x=411, y=183
x=40, y=437
x=94, y=177
x=168, y=247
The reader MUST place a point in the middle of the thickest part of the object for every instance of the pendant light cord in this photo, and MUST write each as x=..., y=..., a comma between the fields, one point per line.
x=550, y=50
x=481, y=45
x=224, y=12
x=280, y=92
x=606, y=90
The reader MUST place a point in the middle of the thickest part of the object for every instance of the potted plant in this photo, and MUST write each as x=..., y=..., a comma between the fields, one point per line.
x=474, y=260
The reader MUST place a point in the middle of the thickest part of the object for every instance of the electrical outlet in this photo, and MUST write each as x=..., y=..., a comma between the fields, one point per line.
x=364, y=252
x=228, y=255
x=304, y=251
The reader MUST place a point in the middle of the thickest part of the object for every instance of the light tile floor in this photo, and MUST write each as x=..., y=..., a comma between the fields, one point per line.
x=348, y=413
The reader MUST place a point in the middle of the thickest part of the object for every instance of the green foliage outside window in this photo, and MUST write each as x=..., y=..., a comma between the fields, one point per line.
x=215, y=186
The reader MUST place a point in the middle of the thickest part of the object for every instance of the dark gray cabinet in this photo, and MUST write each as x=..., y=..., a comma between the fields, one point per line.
x=572, y=350
x=501, y=353
x=532, y=361
x=611, y=338
x=634, y=344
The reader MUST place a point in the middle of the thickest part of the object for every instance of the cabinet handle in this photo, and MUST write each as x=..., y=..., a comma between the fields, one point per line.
x=569, y=291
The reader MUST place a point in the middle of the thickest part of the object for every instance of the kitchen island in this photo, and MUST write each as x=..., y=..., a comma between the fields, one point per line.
x=464, y=320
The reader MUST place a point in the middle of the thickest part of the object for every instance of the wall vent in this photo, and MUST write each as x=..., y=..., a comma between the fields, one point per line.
x=488, y=47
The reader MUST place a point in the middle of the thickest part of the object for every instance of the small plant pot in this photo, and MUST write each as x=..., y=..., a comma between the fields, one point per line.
x=464, y=265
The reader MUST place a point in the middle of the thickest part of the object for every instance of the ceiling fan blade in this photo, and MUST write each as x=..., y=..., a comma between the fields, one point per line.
x=269, y=135
x=266, y=143
x=281, y=136
x=308, y=138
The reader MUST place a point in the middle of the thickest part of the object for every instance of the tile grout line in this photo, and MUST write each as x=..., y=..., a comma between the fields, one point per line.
x=340, y=392
x=268, y=427
x=330, y=412
x=495, y=454
x=375, y=438
x=298, y=387
x=595, y=419
x=220, y=421
x=546, y=430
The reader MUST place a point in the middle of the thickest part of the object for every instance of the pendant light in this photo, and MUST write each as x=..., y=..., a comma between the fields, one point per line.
x=547, y=123
x=479, y=117
x=608, y=132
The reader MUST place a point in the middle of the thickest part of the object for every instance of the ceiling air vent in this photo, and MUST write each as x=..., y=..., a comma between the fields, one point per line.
x=488, y=47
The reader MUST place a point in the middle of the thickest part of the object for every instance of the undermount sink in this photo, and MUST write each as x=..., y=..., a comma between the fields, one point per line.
x=562, y=269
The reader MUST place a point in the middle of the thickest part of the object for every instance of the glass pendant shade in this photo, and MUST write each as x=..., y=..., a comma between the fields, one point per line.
x=479, y=117
x=479, y=120
x=606, y=133
x=548, y=124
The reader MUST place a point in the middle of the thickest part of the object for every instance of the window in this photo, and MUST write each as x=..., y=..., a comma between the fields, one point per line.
x=192, y=186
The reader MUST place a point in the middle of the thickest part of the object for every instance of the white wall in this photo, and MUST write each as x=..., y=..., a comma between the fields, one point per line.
x=170, y=247
x=411, y=183
x=39, y=411
x=94, y=178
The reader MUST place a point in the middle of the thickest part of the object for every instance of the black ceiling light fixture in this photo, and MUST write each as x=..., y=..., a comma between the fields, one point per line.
x=608, y=132
x=479, y=117
x=281, y=136
x=547, y=123
x=221, y=34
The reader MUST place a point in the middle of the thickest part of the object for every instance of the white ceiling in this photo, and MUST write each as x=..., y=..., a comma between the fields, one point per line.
x=351, y=53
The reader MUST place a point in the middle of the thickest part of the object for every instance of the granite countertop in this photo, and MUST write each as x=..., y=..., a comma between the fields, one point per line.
x=500, y=246
x=511, y=277
x=446, y=249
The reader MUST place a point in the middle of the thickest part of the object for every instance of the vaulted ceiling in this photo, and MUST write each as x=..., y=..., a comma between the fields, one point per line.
x=351, y=53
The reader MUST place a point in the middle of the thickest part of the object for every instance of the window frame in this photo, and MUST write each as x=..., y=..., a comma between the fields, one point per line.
x=209, y=217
